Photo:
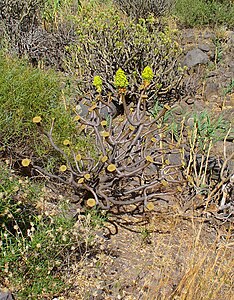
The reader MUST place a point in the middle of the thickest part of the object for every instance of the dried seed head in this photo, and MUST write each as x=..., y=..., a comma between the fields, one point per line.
x=25, y=162
x=111, y=168
x=37, y=119
x=91, y=202
x=63, y=168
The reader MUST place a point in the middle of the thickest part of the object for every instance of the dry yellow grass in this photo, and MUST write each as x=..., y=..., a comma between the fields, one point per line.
x=180, y=260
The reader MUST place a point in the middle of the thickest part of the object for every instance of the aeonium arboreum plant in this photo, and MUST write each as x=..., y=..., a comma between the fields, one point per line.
x=130, y=166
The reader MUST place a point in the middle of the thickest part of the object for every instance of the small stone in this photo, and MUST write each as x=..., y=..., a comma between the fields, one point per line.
x=208, y=35
x=6, y=296
x=211, y=89
x=204, y=47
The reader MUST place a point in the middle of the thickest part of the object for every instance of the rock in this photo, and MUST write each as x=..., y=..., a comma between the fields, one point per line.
x=208, y=35
x=231, y=66
x=211, y=89
x=195, y=57
x=6, y=296
x=230, y=35
x=204, y=47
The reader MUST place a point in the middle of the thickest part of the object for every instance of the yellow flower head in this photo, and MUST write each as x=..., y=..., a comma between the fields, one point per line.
x=120, y=80
x=104, y=159
x=150, y=206
x=111, y=168
x=87, y=176
x=77, y=118
x=104, y=133
x=81, y=180
x=97, y=82
x=78, y=157
x=149, y=159
x=104, y=123
x=147, y=74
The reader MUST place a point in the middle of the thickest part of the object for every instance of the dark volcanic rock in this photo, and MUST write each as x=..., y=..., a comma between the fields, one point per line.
x=195, y=57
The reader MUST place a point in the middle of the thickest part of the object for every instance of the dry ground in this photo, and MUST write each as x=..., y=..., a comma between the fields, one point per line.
x=168, y=258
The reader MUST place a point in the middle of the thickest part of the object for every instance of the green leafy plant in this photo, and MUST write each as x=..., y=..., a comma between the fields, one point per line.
x=107, y=41
x=26, y=92
x=230, y=88
x=201, y=12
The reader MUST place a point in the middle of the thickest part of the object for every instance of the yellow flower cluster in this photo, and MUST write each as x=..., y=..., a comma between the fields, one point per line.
x=97, y=82
x=147, y=75
x=120, y=80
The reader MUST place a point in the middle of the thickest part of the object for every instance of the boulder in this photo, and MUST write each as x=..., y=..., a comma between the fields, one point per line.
x=195, y=57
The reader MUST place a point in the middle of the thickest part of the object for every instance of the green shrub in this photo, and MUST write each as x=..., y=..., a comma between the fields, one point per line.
x=25, y=93
x=106, y=41
x=201, y=12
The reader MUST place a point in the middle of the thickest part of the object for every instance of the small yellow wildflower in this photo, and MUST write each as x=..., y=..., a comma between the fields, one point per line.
x=66, y=142
x=104, y=123
x=87, y=176
x=149, y=158
x=81, y=180
x=105, y=134
x=150, y=206
x=78, y=157
x=104, y=159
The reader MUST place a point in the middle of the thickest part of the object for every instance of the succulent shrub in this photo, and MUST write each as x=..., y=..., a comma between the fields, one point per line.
x=107, y=41
x=142, y=8
x=18, y=18
x=136, y=161
x=31, y=29
x=130, y=165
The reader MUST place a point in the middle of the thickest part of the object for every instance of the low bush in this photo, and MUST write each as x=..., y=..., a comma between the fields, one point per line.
x=201, y=12
x=31, y=29
x=142, y=8
x=138, y=159
x=38, y=244
x=26, y=92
